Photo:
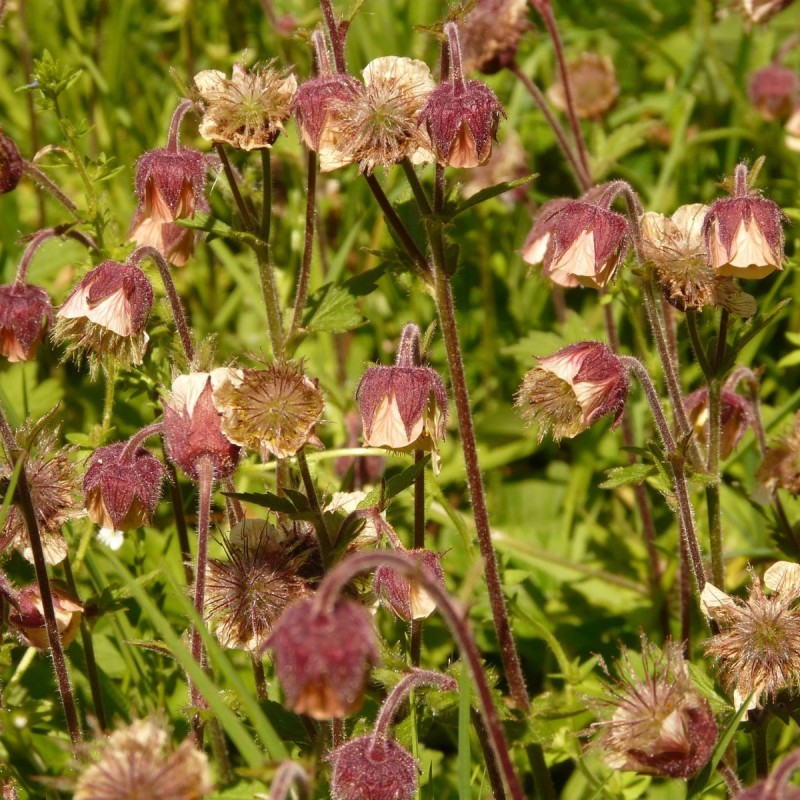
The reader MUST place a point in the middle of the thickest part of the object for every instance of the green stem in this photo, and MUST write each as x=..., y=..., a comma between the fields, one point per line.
x=323, y=534
x=697, y=344
x=108, y=397
x=308, y=245
x=419, y=543
x=713, y=489
x=244, y=211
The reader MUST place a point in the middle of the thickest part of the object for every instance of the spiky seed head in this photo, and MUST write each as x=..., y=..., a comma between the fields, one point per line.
x=271, y=411
x=140, y=761
x=106, y=314
x=405, y=597
x=322, y=656
x=758, y=646
x=121, y=493
x=193, y=425
x=12, y=165
x=24, y=312
x=461, y=118
x=26, y=616
x=744, y=236
x=586, y=245
x=659, y=724
x=774, y=91
x=736, y=415
x=570, y=390
x=490, y=34
x=249, y=589
x=594, y=86
x=170, y=185
x=247, y=111
x=373, y=769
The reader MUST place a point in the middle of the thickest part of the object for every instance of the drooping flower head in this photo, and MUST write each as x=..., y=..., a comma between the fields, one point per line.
x=366, y=768
x=322, y=656
x=262, y=574
x=594, y=86
x=538, y=239
x=192, y=425
x=405, y=597
x=26, y=615
x=12, y=165
x=774, y=91
x=170, y=184
x=659, y=724
x=271, y=411
x=570, y=390
x=24, y=312
x=780, y=468
x=140, y=761
x=106, y=314
x=758, y=646
x=249, y=110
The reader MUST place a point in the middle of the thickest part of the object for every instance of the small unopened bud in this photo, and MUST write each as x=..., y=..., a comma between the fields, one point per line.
x=366, y=768
x=247, y=111
x=405, y=597
x=594, y=86
x=24, y=312
x=170, y=185
x=735, y=417
x=660, y=725
x=774, y=90
x=122, y=489
x=744, y=236
x=106, y=314
x=27, y=616
x=586, y=245
x=192, y=425
x=12, y=165
x=322, y=657
x=570, y=390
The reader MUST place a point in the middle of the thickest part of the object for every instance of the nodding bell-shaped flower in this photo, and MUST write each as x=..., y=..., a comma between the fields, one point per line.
x=247, y=111
x=106, y=314
x=373, y=768
x=12, y=165
x=26, y=615
x=170, y=183
x=774, y=90
x=24, y=312
x=586, y=245
x=538, y=239
x=404, y=406
x=192, y=425
x=736, y=415
x=405, y=597
x=570, y=390
x=744, y=233
x=121, y=488
x=322, y=656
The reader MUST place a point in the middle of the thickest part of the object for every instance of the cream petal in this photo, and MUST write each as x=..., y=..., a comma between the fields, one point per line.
x=750, y=248
x=578, y=259
x=112, y=539
x=113, y=313
x=533, y=252
x=712, y=598
x=209, y=81
x=388, y=428
x=784, y=577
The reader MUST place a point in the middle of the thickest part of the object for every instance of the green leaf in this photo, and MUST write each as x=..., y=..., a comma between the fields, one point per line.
x=492, y=191
x=215, y=227
x=332, y=309
x=611, y=149
x=631, y=475
x=757, y=324
x=266, y=500
x=397, y=483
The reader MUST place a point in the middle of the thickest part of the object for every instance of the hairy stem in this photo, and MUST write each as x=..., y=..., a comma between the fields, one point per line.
x=419, y=543
x=323, y=534
x=173, y=138
x=288, y=773
x=304, y=275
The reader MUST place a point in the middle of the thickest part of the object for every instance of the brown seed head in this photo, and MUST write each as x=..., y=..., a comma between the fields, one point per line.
x=24, y=312
x=774, y=91
x=490, y=34
x=594, y=86
x=660, y=725
x=363, y=769
x=322, y=657
x=406, y=598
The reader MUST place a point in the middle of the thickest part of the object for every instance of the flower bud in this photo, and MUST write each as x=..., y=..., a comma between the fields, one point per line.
x=27, y=616
x=660, y=725
x=192, y=425
x=594, y=86
x=586, y=245
x=106, y=314
x=169, y=185
x=570, y=390
x=121, y=490
x=735, y=416
x=406, y=598
x=368, y=768
x=247, y=111
x=322, y=657
x=774, y=90
x=24, y=311
x=490, y=34
x=12, y=165
x=461, y=117
x=744, y=236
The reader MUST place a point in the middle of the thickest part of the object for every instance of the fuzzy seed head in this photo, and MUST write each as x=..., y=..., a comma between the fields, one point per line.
x=570, y=390
x=594, y=86
x=367, y=769
x=406, y=598
x=490, y=34
x=272, y=411
x=774, y=91
x=660, y=725
x=322, y=657
x=139, y=762
x=27, y=616
x=248, y=590
x=24, y=312
x=12, y=165
x=247, y=111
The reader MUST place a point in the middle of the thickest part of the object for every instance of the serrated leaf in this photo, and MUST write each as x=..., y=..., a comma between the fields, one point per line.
x=631, y=475
x=332, y=309
x=491, y=191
